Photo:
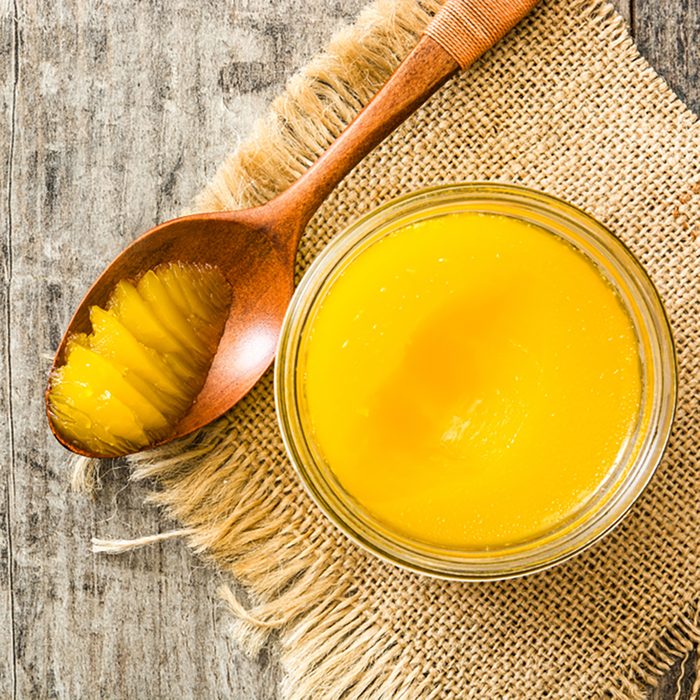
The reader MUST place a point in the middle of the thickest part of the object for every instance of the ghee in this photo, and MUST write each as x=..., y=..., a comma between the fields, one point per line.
x=470, y=380
x=128, y=382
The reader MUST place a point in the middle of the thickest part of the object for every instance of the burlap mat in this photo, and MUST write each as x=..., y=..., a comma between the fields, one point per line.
x=565, y=105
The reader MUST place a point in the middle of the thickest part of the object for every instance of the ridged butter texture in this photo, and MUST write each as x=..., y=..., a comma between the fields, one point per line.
x=131, y=379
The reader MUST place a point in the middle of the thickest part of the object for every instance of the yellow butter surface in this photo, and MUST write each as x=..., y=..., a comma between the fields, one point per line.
x=470, y=380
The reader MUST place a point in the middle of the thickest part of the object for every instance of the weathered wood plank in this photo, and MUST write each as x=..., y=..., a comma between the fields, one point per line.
x=8, y=59
x=668, y=35
x=122, y=111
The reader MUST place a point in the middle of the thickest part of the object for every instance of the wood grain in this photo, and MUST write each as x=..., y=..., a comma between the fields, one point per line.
x=668, y=35
x=113, y=115
x=9, y=60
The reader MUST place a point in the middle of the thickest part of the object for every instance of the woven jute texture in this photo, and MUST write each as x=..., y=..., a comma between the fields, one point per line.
x=566, y=105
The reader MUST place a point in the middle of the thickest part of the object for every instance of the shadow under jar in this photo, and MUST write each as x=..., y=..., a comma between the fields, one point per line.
x=414, y=500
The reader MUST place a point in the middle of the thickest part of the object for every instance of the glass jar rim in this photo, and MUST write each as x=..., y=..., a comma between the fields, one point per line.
x=634, y=286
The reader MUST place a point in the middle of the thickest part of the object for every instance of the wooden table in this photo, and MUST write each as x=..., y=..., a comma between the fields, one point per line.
x=114, y=114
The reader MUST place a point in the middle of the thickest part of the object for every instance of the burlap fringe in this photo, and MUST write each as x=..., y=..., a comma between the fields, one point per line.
x=317, y=103
x=295, y=587
x=676, y=643
x=102, y=546
x=85, y=476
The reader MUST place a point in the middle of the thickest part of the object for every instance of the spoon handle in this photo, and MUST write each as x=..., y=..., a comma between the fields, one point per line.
x=458, y=34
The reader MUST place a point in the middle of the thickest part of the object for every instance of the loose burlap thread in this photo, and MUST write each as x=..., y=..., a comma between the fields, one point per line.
x=565, y=104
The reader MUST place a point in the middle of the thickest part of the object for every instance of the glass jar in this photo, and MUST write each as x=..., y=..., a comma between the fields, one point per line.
x=625, y=481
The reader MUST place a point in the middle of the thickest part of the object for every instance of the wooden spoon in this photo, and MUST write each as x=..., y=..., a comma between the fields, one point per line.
x=255, y=248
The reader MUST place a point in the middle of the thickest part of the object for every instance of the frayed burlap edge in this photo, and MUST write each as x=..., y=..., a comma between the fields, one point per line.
x=350, y=653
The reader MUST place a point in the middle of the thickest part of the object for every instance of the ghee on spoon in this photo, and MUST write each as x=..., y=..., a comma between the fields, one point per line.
x=254, y=249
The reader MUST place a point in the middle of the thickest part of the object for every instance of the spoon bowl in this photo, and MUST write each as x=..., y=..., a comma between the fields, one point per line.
x=258, y=263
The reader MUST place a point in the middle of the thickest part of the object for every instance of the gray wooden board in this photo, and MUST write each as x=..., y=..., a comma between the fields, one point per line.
x=113, y=115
